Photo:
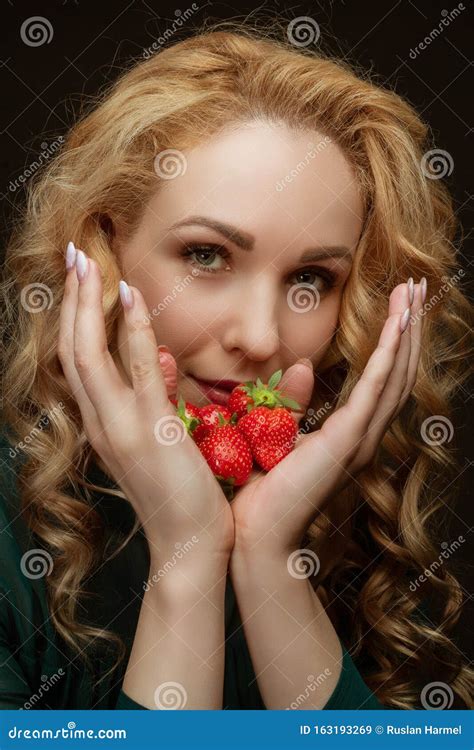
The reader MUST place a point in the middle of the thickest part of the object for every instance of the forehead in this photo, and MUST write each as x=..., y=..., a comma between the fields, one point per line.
x=266, y=178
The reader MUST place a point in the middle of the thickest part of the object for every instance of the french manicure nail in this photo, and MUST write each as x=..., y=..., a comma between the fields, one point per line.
x=82, y=265
x=404, y=319
x=126, y=294
x=411, y=289
x=70, y=256
x=423, y=285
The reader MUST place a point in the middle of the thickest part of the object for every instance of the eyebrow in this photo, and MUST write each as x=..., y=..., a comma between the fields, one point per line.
x=246, y=241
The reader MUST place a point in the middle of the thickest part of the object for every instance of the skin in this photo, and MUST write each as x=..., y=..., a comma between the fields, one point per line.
x=236, y=324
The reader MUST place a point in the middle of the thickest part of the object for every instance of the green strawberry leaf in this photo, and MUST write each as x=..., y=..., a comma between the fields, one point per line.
x=275, y=379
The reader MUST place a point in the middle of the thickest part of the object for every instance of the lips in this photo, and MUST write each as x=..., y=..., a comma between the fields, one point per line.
x=222, y=385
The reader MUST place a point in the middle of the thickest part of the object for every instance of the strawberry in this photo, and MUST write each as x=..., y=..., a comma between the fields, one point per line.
x=188, y=413
x=270, y=433
x=228, y=454
x=246, y=396
x=209, y=416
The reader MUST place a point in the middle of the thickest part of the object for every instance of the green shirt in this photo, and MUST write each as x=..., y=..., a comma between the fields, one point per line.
x=39, y=670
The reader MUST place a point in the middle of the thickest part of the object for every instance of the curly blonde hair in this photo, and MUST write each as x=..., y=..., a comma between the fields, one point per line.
x=101, y=180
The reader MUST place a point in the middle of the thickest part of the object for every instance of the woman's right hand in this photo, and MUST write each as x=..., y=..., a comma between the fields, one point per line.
x=135, y=430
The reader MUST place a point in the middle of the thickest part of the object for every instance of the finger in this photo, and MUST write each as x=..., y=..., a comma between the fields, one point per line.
x=398, y=378
x=297, y=383
x=148, y=380
x=94, y=363
x=67, y=317
x=169, y=369
x=347, y=427
x=416, y=330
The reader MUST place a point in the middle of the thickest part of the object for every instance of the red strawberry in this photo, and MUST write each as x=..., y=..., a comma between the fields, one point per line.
x=246, y=396
x=271, y=434
x=188, y=413
x=209, y=416
x=228, y=454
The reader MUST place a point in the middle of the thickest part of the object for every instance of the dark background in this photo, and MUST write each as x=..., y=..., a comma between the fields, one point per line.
x=43, y=88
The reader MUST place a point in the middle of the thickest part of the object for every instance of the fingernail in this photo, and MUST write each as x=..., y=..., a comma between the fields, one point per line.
x=70, y=256
x=423, y=285
x=305, y=361
x=126, y=294
x=404, y=319
x=82, y=265
x=164, y=349
x=411, y=289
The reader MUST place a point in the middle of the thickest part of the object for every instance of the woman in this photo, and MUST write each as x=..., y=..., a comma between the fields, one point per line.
x=263, y=208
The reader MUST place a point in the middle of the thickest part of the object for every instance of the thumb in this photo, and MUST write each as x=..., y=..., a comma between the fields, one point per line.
x=297, y=383
x=169, y=369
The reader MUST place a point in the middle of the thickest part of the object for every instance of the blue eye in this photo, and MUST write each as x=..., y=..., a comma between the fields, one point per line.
x=193, y=251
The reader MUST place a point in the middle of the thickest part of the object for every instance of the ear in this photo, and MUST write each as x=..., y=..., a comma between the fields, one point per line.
x=297, y=383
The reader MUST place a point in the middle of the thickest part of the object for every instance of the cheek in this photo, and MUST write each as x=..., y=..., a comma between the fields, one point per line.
x=309, y=333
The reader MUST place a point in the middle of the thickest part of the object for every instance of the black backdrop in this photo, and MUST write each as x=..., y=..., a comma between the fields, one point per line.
x=87, y=42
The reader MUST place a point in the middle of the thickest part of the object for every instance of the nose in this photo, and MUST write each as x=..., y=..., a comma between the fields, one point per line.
x=251, y=322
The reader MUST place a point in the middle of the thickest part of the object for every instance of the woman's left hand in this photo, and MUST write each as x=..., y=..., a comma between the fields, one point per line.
x=275, y=509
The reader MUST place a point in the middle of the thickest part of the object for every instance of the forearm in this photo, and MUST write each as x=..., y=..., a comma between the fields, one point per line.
x=180, y=638
x=294, y=648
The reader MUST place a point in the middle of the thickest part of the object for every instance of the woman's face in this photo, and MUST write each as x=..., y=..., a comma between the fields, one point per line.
x=250, y=304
